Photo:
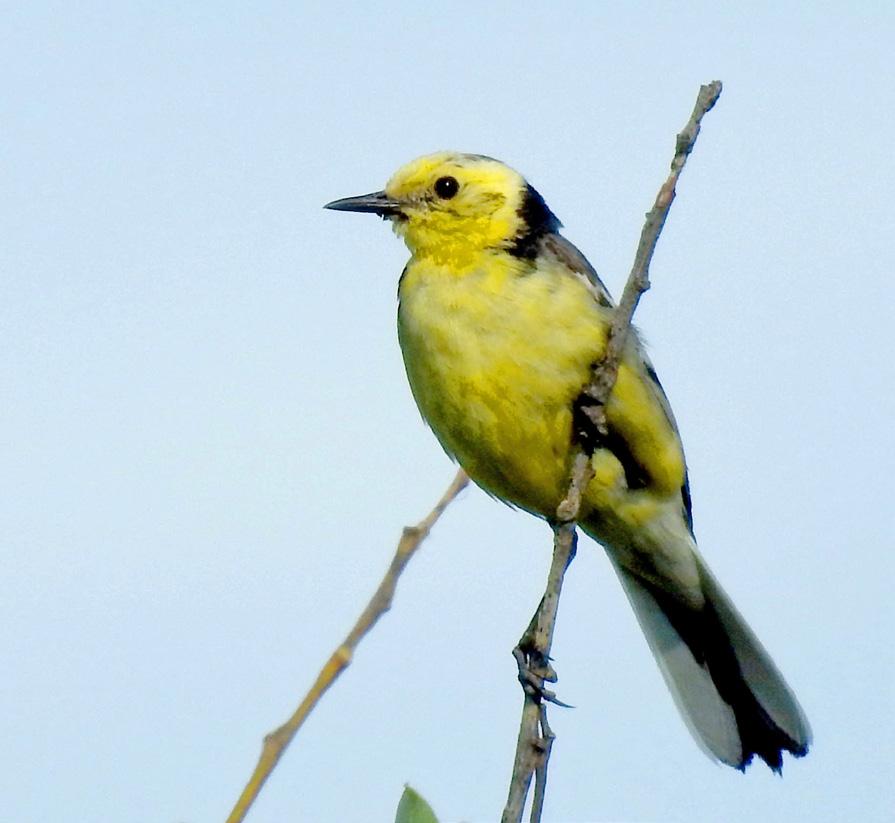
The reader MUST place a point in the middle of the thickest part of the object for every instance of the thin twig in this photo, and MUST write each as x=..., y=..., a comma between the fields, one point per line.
x=533, y=657
x=276, y=742
x=535, y=739
x=525, y=763
x=605, y=373
x=547, y=738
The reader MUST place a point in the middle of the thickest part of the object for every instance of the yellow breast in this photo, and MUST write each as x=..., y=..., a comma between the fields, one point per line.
x=495, y=359
x=496, y=356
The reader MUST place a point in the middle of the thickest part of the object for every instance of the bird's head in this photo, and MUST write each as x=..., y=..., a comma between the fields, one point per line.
x=451, y=207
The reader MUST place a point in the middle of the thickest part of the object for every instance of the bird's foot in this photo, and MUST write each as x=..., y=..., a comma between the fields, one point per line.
x=535, y=672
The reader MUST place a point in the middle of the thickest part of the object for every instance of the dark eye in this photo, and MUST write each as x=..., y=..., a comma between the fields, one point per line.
x=446, y=187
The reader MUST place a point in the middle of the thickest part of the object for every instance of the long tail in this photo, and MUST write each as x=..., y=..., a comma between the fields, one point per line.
x=731, y=695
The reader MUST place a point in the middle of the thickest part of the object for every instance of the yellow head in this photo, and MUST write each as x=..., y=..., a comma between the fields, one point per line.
x=452, y=207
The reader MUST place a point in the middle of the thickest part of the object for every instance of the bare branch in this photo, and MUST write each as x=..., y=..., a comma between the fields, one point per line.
x=276, y=742
x=535, y=739
x=547, y=738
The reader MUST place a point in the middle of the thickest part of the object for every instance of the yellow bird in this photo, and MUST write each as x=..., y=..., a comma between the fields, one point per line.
x=500, y=320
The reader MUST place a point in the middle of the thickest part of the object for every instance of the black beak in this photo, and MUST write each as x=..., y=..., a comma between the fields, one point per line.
x=376, y=203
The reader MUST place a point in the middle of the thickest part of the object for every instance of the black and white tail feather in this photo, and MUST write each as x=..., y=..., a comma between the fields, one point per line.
x=731, y=695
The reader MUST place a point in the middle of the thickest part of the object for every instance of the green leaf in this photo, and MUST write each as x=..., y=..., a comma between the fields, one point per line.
x=413, y=809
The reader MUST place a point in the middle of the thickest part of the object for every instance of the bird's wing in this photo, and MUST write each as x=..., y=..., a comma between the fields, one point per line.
x=571, y=258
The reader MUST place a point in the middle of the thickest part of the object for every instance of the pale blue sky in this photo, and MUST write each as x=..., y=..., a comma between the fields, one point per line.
x=208, y=446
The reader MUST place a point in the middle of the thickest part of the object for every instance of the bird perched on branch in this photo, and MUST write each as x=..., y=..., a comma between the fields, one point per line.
x=501, y=320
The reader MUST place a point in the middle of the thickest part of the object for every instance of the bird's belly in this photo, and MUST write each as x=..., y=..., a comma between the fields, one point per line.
x=512, y=443
x=498, y=392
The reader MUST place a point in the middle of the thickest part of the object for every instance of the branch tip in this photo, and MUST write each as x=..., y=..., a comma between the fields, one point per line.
x=276, y=742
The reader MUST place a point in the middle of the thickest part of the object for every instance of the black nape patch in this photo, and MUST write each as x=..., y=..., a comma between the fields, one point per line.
x=537, y=221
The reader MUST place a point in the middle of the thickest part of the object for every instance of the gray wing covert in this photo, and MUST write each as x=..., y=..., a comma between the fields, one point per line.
x=568, y=254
